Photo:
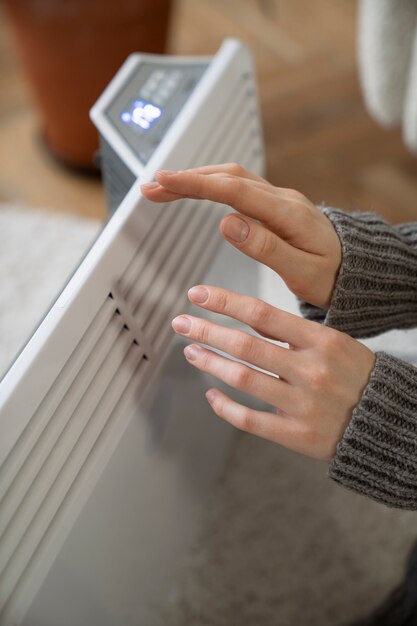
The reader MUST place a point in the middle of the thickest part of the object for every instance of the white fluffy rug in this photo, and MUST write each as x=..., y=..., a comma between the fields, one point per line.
x=281, y=544
x=38, y=252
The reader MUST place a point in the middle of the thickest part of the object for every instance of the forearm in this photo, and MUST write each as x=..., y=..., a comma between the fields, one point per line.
x=377, y=455
x=376, y=288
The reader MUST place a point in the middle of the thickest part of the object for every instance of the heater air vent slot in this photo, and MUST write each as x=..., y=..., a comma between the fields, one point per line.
x=131, y=324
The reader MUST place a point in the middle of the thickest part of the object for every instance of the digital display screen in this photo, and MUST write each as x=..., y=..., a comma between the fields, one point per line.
x=141, y=114
x=145, y=106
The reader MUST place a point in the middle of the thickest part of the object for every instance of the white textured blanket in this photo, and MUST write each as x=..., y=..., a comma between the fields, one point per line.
x=387, y=51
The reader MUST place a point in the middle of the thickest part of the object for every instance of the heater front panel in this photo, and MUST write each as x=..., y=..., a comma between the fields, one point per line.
x=76, y=387
x=121, y=559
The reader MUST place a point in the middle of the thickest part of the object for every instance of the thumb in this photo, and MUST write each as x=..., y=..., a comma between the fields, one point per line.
x=258, y=242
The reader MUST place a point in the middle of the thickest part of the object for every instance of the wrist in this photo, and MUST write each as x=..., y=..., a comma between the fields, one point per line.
x=378, y=451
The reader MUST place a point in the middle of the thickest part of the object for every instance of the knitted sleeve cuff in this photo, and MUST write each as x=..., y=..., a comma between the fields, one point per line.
x=376, y=289
x=377, y=455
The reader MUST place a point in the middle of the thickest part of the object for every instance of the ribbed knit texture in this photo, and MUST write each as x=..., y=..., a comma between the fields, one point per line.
x=377, y=455
x=376, y=289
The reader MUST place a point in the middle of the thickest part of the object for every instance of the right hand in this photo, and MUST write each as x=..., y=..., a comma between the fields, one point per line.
x=281, y=228
x=313, y=385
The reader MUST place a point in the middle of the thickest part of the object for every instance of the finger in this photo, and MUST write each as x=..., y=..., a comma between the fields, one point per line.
x=260, y=243
x=234, y=169
x=251, y=197
x=239, y=344
x=267, y=388
x=270, y=426
x=157, y=193
x=275, y=323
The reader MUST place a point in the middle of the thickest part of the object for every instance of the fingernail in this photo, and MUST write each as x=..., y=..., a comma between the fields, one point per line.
x=166, y=172
x=211, y=395
x=236, y=229
x=152, y=185
x=192, y=352
x=198, y=294
x=181, y=324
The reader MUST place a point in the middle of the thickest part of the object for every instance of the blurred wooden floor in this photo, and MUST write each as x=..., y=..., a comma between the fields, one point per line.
x=319, y=138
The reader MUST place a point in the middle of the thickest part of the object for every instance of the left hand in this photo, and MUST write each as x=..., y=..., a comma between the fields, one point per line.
x=314, y=384
x=278, y=227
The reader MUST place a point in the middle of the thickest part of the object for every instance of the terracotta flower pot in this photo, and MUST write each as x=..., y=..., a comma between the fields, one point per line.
x=70, y=50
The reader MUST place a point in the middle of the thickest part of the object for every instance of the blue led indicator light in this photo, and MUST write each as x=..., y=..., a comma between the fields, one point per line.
x=142, y=114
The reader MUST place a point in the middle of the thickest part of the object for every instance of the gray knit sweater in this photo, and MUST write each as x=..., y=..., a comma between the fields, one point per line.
x=376, y=290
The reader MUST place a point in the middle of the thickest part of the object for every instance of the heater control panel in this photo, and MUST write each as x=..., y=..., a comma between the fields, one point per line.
x=145, y=107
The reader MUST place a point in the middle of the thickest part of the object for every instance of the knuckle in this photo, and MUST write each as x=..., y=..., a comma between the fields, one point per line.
x=244, y=346
x=221, y=300
x=260, y=314
x=295, y=195
x=240, y=376
x=246, y=420
x=320, y=377
x=316, y=374
x=237, y=188
x=203, y=332
x=267, y=244
x=206, y=359
x=198, y=181
x=235, y=169
x=330, y=340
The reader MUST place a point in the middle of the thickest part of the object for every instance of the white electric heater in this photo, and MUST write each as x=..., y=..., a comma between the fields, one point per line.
x=107, y=445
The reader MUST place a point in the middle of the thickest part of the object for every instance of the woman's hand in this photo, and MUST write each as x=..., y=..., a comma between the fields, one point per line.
x=313, y=385
x=280, y=227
